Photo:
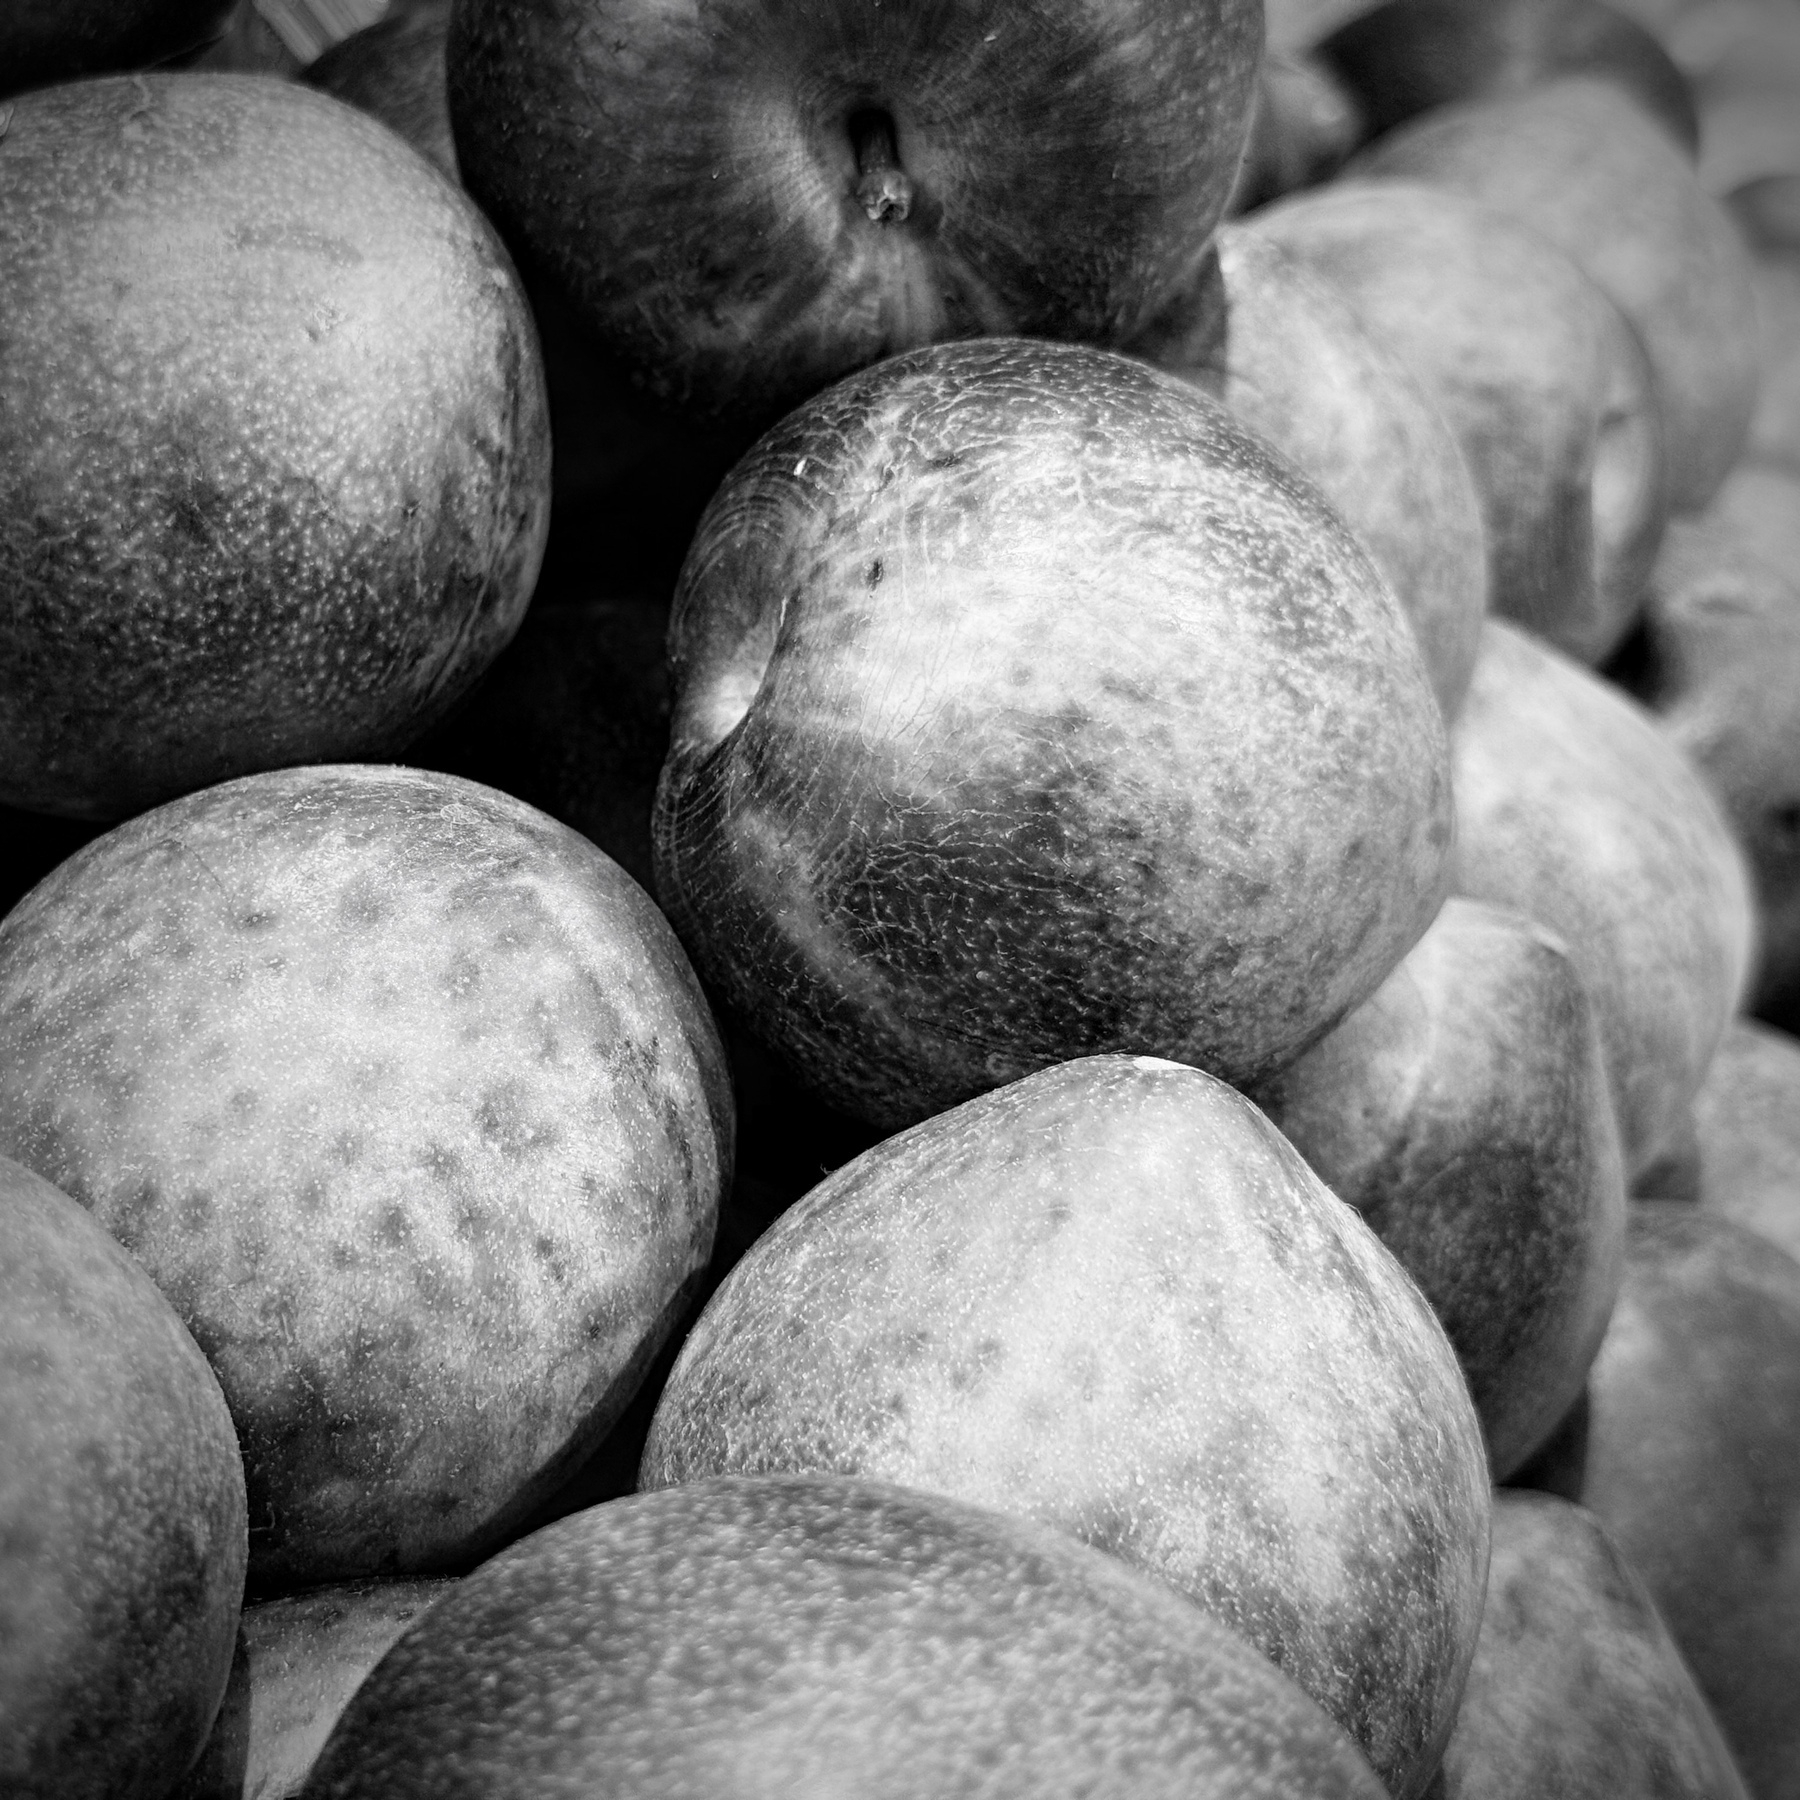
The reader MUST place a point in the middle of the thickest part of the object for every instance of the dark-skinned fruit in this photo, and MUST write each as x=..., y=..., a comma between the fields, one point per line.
x=749, y=203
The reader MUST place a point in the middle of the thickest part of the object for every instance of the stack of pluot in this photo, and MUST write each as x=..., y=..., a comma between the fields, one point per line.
x=904, y=899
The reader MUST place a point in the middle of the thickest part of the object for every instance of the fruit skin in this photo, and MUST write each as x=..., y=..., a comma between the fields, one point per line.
x=1577, y=1689
x=691, y=181
x=1540, y=380
x=1573, y=808
x=1111, y=1297
x=394, y=70
x=1291, y=361
x=1637, y=221
x=274, y=468
x=1404, y=57
x=45, y=41
x=298, y=1661
x=1025, y=706
x=1688, y=1452
x=1464, y=1110
x=812, y=1635
x=1717, y=662
x=406, y=1097
x=122, y=1515
x=1747, y=1133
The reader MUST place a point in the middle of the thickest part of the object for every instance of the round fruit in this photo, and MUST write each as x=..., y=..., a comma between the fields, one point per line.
x=274, y=460
x=405, y=1096
x=1112, y=1297
x=748, y=201
x=122, y=1522
x=813, y=1636
x=1027, y=705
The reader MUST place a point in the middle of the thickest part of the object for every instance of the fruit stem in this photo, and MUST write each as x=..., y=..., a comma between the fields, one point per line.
x=883, y=189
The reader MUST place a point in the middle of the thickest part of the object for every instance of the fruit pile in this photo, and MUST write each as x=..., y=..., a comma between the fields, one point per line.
x=902, y=898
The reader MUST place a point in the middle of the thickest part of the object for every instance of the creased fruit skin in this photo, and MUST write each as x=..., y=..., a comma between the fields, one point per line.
x=804, y=1637
x=274, y=458
x=406, y=1097
x=1027, y=706
x=122, y=1515
x=1111, y=1297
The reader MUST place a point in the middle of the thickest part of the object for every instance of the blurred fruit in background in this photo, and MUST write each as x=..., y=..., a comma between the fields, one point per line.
x=1291, y=361
x=1577, y=1689
x=1574, y=809
x=1540, y=379
x=1687, y=1450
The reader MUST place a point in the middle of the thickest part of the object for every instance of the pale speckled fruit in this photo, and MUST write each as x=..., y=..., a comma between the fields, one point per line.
x=1577, y=1690
x=122, y=1515
x=298, y=1661
x=274, y=463
x=1112, y=1297
x=1573, y=808
x=406, y=1097
x=1027, y=705
x=806, y=1638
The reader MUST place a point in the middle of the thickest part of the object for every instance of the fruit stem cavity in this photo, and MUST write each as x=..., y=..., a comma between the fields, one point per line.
x=883, y=189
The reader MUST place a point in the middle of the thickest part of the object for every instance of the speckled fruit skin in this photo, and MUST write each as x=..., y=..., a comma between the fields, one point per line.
x=812, y=1636
x=299, y=1659
x=688, y=177
x=1113, y=1298
x=1464, y=1110
x=1286, y=354
x=1577, y=1689
x=56, y=40
x=1026, y=706
x=406, y=1097
x=1573, y=808
x=274, y=463
x=122, y=1521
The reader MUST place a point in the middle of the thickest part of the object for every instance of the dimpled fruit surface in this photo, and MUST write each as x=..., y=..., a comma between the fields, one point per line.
x=274, y=454
x=808, y=1638
x=405, y=1096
